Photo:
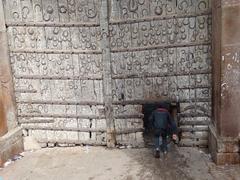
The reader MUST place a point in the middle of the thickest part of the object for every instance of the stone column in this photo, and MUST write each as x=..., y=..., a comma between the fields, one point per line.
x=11, y=140
x=225, y=130
x=7, y=95
x=3, y=121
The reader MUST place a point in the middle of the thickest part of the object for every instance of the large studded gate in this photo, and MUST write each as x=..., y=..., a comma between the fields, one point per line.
x=83, y=68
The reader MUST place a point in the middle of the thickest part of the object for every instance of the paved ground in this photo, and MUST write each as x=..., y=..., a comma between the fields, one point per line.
x=98, y=163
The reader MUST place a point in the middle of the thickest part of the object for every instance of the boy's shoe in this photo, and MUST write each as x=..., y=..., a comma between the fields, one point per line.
x=164, y=152
x=157, y=154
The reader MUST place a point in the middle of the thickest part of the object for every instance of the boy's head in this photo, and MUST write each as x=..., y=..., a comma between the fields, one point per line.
x=163, y=104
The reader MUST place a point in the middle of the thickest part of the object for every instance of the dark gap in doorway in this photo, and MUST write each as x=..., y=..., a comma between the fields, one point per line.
x=147, y=109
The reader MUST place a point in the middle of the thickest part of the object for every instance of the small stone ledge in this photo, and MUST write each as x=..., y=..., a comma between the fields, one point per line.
x=10, y=145
x=227, y=158
x=223, y=150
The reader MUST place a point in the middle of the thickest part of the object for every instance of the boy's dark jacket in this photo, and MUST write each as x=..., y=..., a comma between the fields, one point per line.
x=161, y=119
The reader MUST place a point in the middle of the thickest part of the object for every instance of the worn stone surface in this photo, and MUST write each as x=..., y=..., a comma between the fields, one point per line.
x=119, y=164
x=30, y=144
x=10, y=144
x=227, y=158
x=224, y=150
x=230, y=71
x=3, y=122
x=6, y=86
x=10, y=135
x=225, y=133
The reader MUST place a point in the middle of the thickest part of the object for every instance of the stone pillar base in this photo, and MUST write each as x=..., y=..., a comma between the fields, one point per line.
x=10, y=145
x=223, y=150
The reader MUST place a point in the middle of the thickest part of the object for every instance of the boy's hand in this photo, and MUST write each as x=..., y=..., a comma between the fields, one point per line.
x=174, y=137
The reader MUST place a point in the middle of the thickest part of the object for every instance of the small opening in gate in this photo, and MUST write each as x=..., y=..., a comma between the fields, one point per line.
x=147, y=110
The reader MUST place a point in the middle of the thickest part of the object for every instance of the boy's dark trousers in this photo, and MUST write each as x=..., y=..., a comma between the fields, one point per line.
x=157, y=134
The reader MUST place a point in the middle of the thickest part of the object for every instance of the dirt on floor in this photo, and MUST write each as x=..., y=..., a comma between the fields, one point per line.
x=99, y=163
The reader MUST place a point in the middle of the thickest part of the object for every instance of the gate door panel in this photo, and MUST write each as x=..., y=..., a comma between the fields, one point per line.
x=160, y=50
x=57, y=68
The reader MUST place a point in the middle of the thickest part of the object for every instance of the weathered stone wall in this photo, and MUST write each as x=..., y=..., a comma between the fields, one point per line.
x=83, y=68
x=225, y=132
x=10, y=135
x=230, y=71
